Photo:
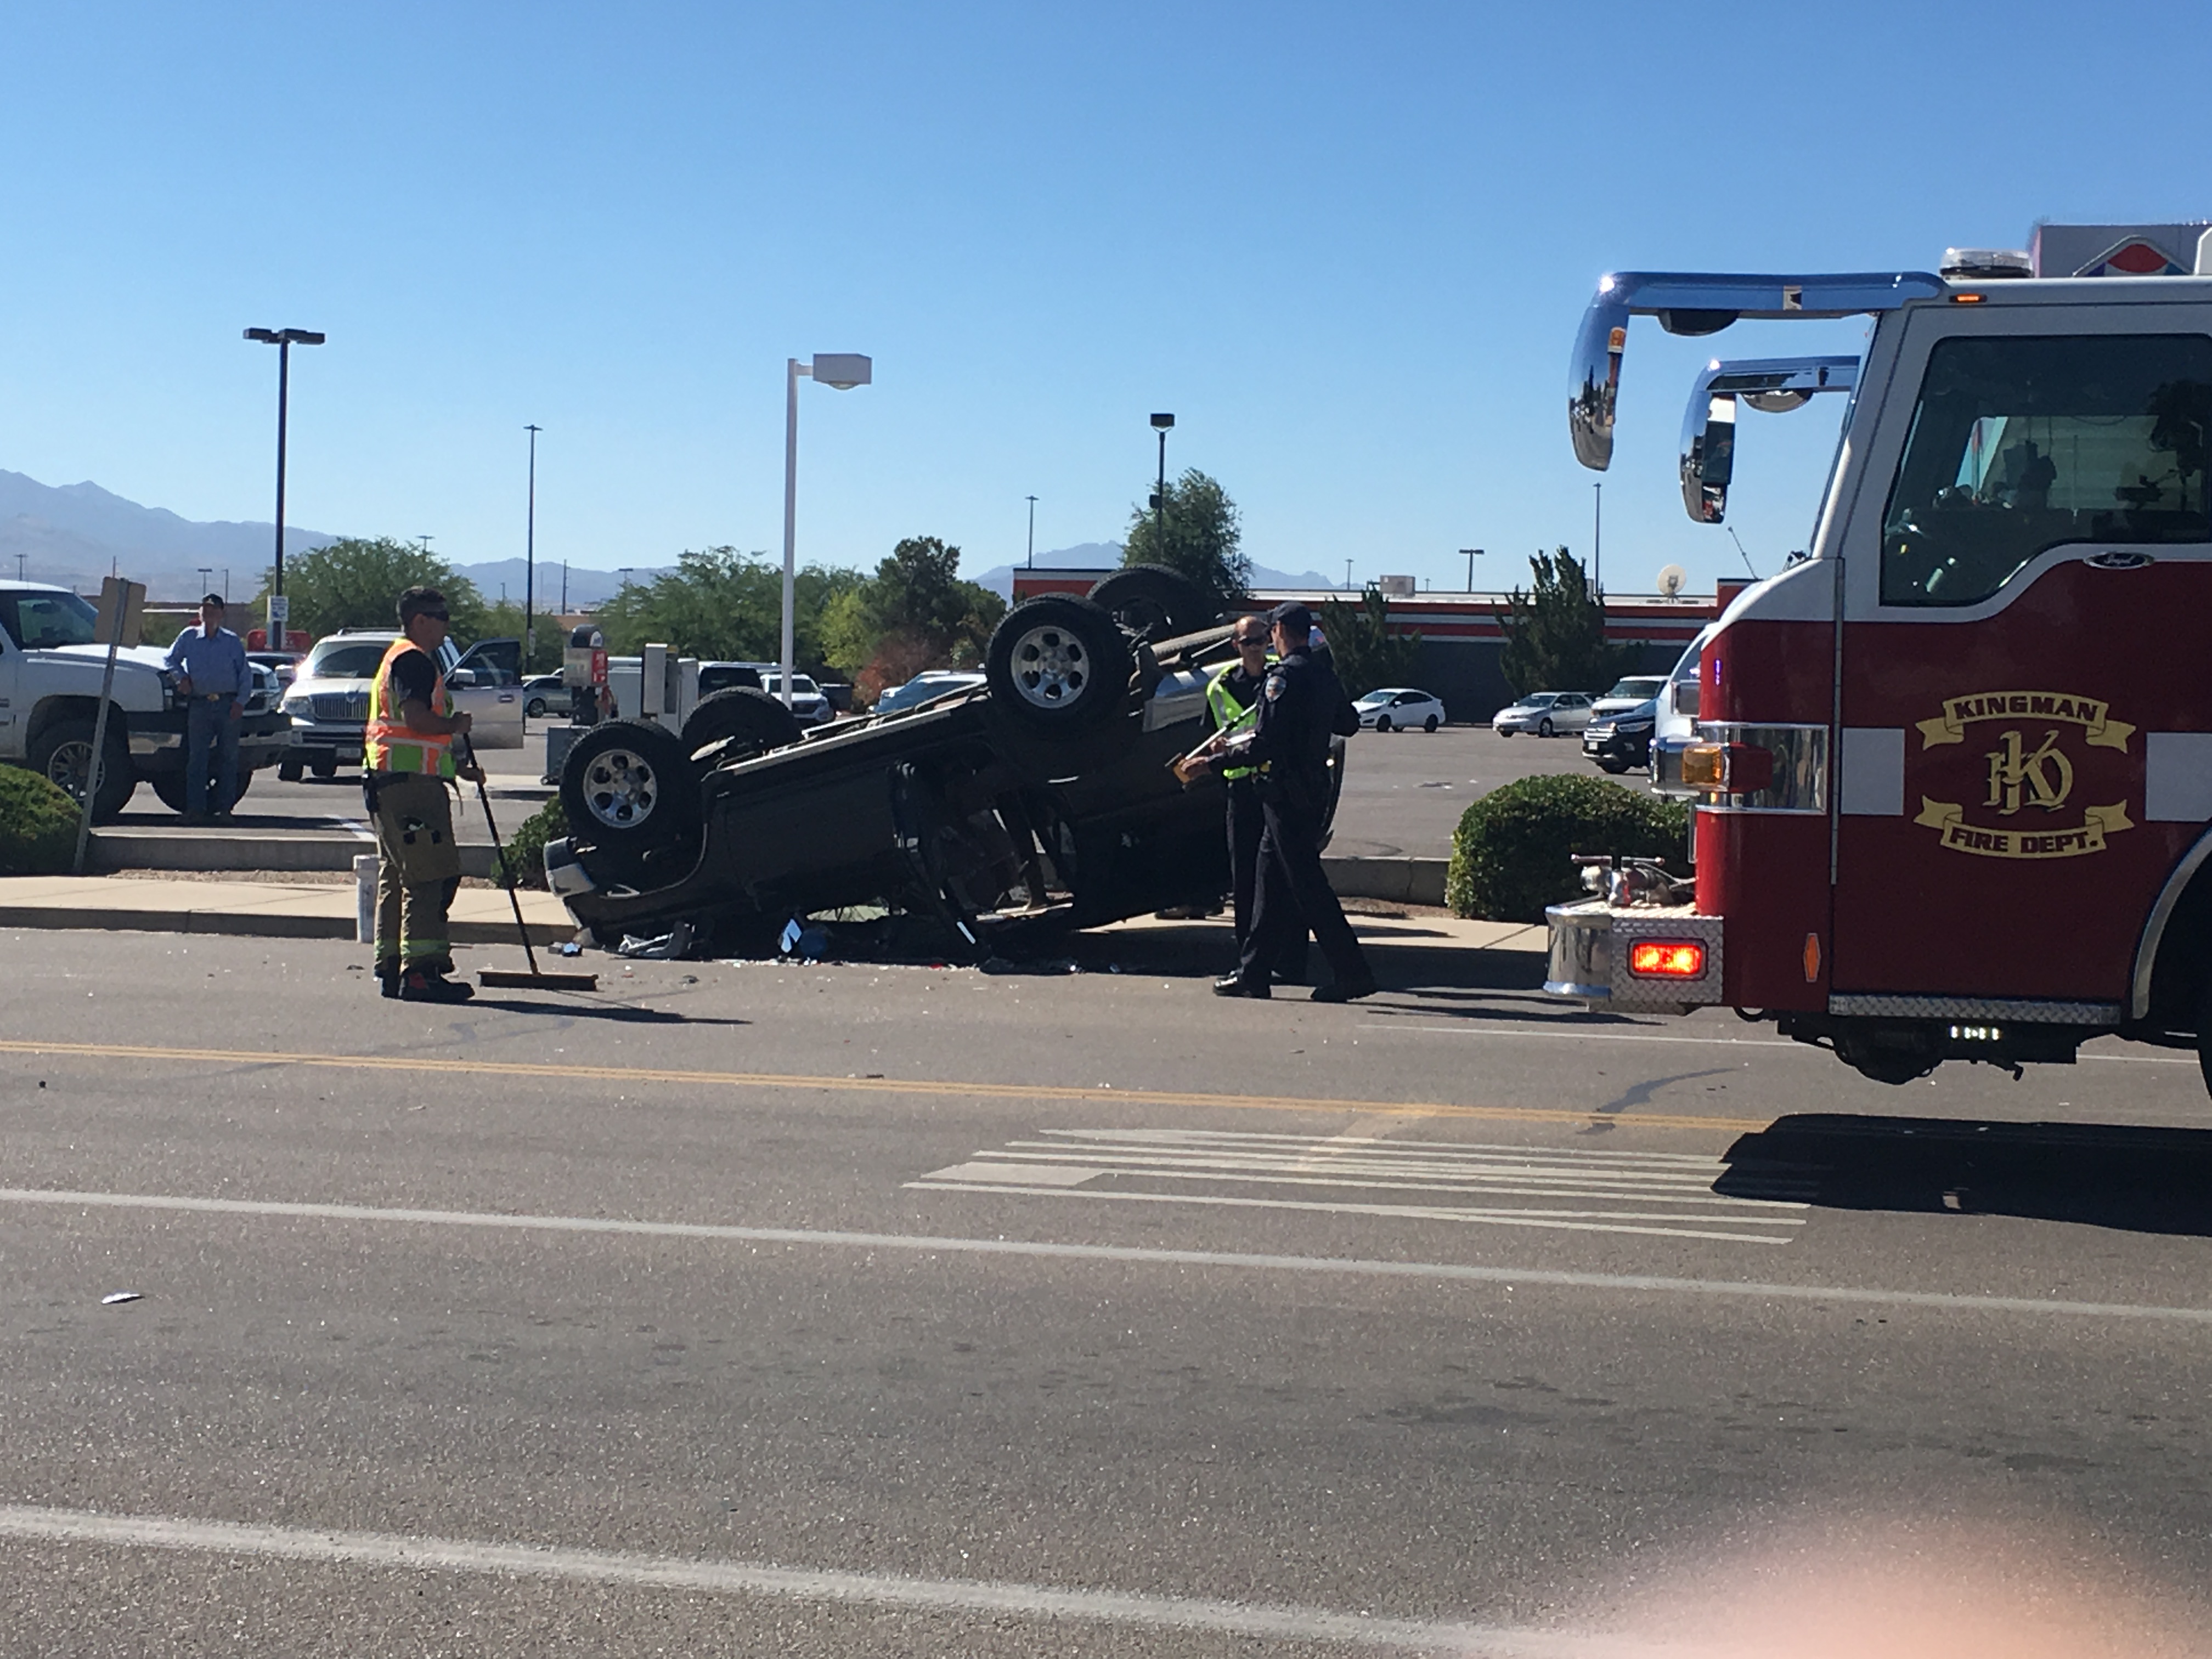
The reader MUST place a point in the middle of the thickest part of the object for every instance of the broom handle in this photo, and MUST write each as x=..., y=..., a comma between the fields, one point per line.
x=499, y=854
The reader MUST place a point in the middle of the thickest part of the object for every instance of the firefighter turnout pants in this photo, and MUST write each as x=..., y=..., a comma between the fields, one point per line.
x=418, y=871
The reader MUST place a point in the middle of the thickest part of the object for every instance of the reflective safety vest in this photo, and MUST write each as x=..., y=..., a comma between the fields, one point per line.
x=387, y=744
x=1229, y=717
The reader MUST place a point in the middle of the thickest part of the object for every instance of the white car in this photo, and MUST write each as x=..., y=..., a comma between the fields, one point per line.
x=808, y=705
x=328, y=699
x=1545, y=714
x=1395, y=707
x=1631, y=693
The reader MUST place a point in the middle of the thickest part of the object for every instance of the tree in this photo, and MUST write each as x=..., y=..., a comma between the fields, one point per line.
x=1202, y=536
x=1555, y=635
x=720, y=604
x=356, y=583
x=1367, y=654
x=914, y=613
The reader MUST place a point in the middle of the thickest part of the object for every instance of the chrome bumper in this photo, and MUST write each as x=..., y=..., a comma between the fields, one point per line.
x=1591, y=945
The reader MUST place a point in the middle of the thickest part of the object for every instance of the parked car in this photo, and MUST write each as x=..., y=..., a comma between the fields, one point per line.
x=726, y=676
x=329, y=700
x=544, y=695
x=51, y=673
x=1395, y=708
x=285, y=665
x=1622, y=742
x=807, y=704
x=1544, y=713
x=925, y=687
x=1038, y=800
x=1627, y=693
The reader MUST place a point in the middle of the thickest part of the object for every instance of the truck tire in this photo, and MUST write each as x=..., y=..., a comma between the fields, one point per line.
x=1059, y=665
x=63, y=755
x=289, y=770
x=742, y=722
x=1155, y=602
x=169, y=788
x=628, y=788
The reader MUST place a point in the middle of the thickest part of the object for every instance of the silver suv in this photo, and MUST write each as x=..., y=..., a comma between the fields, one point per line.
x=329, y=699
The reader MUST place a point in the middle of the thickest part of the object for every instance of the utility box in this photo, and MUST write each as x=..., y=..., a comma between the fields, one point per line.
x=1394, y=587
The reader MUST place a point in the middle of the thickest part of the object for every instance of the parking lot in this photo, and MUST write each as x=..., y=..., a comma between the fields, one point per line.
x=816, y=1310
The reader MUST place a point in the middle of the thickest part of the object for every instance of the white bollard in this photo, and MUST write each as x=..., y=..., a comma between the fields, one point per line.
x=364, y=898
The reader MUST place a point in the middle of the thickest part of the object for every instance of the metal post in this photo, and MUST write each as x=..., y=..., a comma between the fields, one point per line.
x=1597, y=535
x=530, y=562
x=564, y=588
x=1032, y=554
x=278, y=628
x=790, y=518
x=1160, y=505
x=1347, y=575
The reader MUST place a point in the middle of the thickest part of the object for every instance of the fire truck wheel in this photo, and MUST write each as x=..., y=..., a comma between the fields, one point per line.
x=736, y=724
x=628, y=788
x=1059, y=665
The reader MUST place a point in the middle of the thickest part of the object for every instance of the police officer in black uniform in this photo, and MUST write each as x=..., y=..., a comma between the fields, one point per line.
x=1232, y=697
x=1299, y=705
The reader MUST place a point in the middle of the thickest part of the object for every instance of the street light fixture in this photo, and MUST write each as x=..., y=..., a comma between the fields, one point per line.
x=1470, y=554
x=840, y=371
x=1162, y=424
x=280, y=611
x=1032, y=555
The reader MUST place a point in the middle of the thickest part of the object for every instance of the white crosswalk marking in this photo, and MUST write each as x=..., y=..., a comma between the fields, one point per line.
x=1666, y=1193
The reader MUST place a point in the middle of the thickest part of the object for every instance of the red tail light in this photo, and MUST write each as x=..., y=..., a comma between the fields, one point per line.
x=1667, y=958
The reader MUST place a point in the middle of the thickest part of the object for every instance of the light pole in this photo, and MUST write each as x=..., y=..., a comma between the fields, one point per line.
x=207, y=571
x=530, y=559
x=1347, y=575
x=1597, y=534
x=1470, y=554
x=1032, y=555
x=280, y=613
x=1162, y=424
x=840, y=371
x=19, y=558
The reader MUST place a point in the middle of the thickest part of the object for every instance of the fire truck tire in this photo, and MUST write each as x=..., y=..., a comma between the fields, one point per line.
x=1155, y=602
x=628, y=788
x=742, y=721
x=1059, y=665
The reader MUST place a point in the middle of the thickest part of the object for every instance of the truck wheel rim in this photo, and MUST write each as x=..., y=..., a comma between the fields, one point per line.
x=621, y=789
x=1050, y=667
x=68, y=768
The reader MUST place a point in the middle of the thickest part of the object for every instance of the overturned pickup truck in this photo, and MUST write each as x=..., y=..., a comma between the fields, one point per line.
x=1039, y=801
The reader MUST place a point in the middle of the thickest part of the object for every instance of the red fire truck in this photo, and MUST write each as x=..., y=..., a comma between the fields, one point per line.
x=1953, y=770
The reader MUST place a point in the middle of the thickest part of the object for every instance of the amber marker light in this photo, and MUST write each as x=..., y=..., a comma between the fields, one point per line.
x=1667, y=958
x=1968, y=298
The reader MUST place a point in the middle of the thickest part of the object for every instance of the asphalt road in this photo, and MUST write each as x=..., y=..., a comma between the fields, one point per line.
x=767, y=1309
x=1403, y=791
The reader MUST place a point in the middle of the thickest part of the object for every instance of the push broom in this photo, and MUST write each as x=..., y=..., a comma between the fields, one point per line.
x=492, y=977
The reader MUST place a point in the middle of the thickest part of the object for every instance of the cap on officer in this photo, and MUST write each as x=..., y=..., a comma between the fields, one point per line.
x=1293, y=616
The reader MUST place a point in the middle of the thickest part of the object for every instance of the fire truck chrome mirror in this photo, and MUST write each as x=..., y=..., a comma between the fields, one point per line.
x=1772, y=385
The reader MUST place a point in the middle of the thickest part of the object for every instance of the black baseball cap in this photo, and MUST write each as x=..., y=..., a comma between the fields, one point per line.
x=1293, y=616
x=215, y=599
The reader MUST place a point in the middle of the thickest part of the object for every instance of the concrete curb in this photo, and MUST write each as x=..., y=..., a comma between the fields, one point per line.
x=1405, y=880
x=261, y=910
x=307, y=849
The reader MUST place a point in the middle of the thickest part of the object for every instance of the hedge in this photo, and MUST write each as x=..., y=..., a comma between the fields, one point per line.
x=1510, y=853
x=38, y=825
x=526, y=849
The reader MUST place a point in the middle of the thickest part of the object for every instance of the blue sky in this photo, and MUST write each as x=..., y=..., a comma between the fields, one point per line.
x=1347, y=245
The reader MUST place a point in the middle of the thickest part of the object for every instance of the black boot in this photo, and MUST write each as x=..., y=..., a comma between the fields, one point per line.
x=1236, y=985
x=418, y=986
x=387, y=978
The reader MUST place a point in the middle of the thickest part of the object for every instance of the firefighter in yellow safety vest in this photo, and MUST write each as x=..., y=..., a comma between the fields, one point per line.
x=1232, y=700
x=407, y=766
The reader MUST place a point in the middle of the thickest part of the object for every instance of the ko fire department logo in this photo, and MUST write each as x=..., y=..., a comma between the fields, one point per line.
x=2026, y=776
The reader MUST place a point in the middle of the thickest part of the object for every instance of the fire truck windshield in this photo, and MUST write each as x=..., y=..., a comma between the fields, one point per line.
x=2022, y=444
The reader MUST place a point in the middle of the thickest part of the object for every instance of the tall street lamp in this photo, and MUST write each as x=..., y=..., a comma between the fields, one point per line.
x=1470, y=554
x=840, y=371
x=1162, y=424
x=1032, y=554
x=529, y=558
x=1597, y=535
x=280, y=611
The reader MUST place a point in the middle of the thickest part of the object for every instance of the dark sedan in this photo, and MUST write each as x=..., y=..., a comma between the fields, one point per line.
x=1622, y=743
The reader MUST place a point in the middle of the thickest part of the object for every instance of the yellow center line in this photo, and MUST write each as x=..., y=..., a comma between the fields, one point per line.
x=873, y=1086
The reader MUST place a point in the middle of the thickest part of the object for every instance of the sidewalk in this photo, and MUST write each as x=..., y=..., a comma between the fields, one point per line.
x=256, y=909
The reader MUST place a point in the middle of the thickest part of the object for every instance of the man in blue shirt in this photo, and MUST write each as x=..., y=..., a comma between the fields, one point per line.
x=213, y=682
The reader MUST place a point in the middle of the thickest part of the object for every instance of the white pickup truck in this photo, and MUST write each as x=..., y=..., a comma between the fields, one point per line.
x=50, y=676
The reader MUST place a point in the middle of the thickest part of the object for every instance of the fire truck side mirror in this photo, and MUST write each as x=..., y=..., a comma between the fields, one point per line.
x=1709, y=458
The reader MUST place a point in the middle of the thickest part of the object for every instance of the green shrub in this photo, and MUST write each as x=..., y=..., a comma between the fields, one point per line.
x=525, y=849
x=38, y=825
x=1510, y=853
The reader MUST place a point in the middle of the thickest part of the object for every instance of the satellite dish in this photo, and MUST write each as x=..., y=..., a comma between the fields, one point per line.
x=1671, y=578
